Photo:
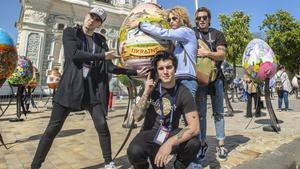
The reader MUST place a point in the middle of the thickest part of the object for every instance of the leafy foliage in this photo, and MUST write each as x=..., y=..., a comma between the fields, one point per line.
x=283, y=35
x=237, y=34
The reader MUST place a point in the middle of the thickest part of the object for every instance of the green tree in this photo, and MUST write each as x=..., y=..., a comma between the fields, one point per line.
x=237, y=34
x=283, y=36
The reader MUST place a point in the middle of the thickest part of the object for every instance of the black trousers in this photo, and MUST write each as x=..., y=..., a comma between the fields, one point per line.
x=57, y=119
x=257, y=104
x=142, y=147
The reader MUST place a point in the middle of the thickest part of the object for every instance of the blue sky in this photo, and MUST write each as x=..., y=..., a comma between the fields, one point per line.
x=256, y=9
x=10, y=10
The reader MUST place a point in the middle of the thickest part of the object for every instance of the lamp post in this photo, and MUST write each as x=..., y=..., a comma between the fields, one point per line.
x=196, y=4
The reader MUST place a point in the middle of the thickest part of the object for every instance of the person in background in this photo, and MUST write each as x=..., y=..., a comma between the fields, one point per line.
x=283, y=93
x=253, y=92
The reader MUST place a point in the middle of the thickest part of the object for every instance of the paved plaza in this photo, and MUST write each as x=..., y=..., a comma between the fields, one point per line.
x=77, y=144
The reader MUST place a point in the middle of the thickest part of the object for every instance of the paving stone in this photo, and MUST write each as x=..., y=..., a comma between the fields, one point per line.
x=77, y=145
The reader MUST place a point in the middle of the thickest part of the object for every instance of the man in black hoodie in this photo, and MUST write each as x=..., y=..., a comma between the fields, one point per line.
x=84, y=84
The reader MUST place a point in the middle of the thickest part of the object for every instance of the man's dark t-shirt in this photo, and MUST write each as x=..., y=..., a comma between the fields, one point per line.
x=217, y=39
x=184, y=103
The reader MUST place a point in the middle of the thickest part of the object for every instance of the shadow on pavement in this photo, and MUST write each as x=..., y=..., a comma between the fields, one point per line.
x=238, y=111
x=63, y=133
x=123, y=163
x=266, y=121
x=231, y=142
x=36, y=118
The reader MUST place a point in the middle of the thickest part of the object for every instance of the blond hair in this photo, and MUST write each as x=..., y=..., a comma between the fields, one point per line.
x=182, y=14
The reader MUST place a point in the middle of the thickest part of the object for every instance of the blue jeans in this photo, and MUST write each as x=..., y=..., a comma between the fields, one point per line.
x=192, y=85
x=217, y=107
x=282, y=94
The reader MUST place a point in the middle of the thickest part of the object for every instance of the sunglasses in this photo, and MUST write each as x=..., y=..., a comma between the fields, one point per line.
x=198, y=18
x=174, y=18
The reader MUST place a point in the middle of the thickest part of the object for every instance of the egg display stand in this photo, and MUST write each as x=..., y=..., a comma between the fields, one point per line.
x=230, y=111
x=3, y=111
x=5, y=98
x=132, y=95
x=128, y=119
x=20, y=92
x=28, y=99
x=2, y=141
x=274, y=123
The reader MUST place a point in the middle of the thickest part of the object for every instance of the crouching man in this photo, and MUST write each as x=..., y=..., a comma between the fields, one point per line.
x=162, y=104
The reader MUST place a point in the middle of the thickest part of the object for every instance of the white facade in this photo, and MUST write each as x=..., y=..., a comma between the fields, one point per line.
x=41, y=24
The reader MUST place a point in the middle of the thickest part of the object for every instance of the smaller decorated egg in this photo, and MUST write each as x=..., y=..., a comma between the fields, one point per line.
x=23, y=73
x=259, y=61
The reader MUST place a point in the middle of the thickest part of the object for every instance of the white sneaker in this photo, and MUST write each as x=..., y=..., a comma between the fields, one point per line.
x=111, y=165
x=195, y=166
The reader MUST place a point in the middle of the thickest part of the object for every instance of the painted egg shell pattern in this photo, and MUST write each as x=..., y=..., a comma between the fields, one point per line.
x=135, y=47
x=23, y=73
x=8, y=55
x=259, y=61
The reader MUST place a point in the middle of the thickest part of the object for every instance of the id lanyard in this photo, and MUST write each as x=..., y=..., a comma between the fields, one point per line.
x=209, y=40
x=162, y=108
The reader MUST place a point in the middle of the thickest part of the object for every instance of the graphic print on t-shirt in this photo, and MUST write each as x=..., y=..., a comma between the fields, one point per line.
x=166, y=106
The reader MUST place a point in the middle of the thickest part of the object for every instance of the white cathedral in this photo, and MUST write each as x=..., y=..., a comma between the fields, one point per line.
x=41, y=23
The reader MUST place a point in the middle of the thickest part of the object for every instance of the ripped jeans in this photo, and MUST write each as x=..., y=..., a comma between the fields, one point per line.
x=217, y=108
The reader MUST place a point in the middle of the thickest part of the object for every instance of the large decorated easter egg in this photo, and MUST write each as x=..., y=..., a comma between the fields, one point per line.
x=23, y=73
x=53, y=78
x=8, y=56
x=35, y=78
x=259, y=61
x=135, y=47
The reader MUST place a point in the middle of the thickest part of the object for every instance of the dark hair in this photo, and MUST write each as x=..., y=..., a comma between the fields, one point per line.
x=203, y=9
x=163, y=55
x=281, y=67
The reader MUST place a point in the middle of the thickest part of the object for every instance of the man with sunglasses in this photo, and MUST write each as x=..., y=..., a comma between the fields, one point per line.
x=162, y=105
x=84, y=84
x=215, y=40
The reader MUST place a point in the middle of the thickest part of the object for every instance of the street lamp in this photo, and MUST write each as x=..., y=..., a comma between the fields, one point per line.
x=196, y=4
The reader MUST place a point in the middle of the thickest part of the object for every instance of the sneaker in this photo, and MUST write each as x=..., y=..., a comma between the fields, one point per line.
x=111, y=165
x=222, y=153
x=202, y=152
